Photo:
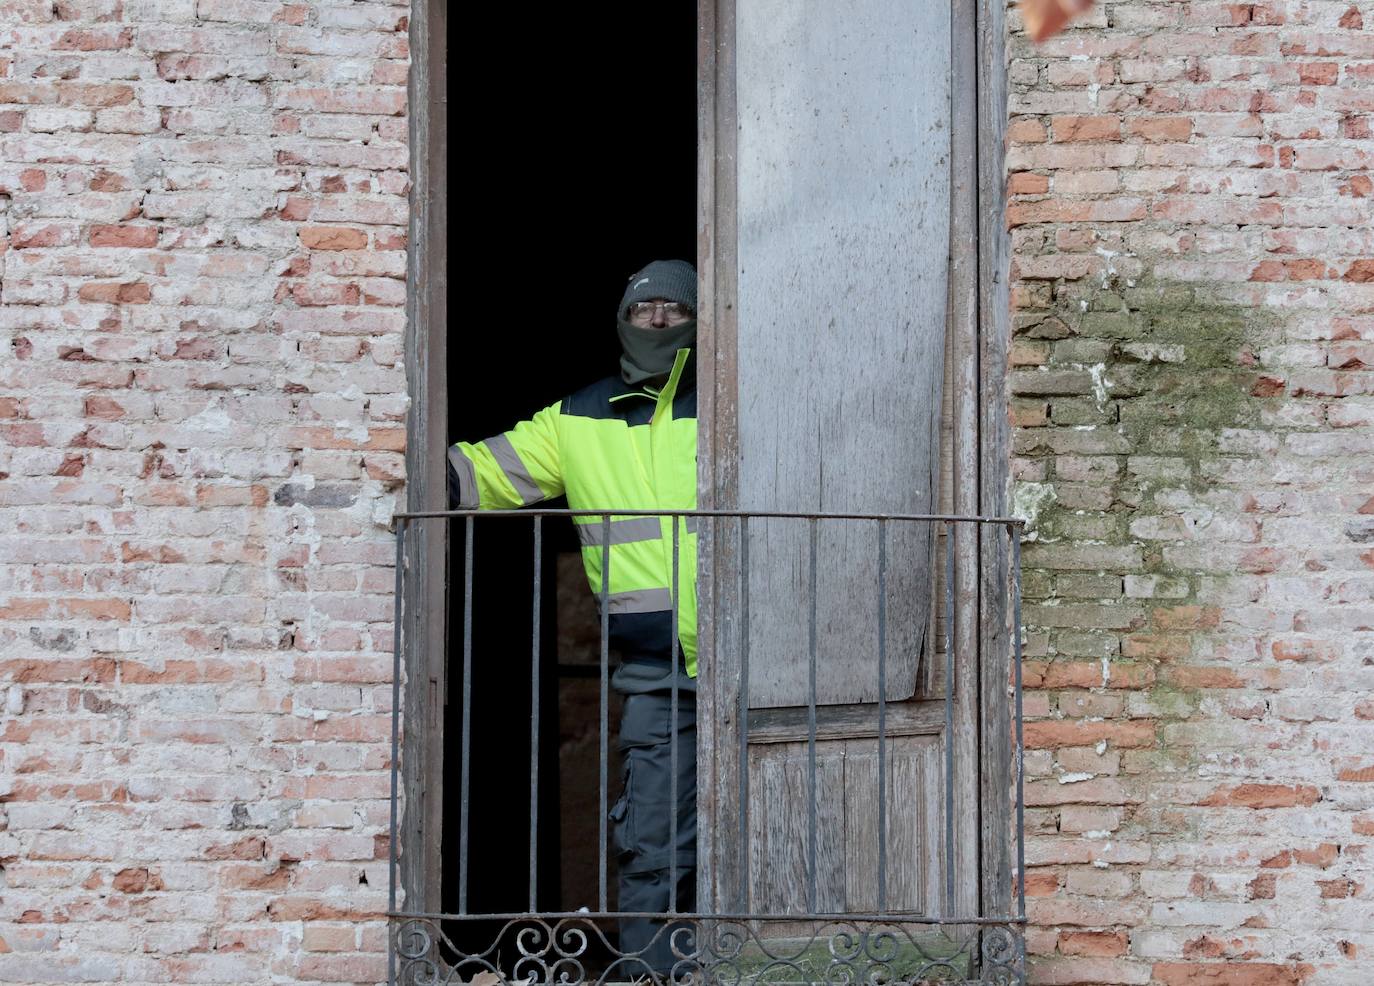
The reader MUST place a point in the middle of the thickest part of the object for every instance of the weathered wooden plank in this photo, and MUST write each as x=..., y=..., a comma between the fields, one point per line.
x=846, y=721
x=424, y=615
x=931, y=682
x=861, y=825
x=843, y=189
x=913, y=778
x=964, y=663
x=720, y=847
x=791, y=845
x=996, y=742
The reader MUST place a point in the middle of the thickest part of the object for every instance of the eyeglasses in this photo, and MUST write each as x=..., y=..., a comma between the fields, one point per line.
x=674, y=312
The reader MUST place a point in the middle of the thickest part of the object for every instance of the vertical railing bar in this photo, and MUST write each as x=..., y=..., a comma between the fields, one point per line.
x=811, y=731
x=672, y=734
x=950, y=665
x=1020, y=745
x=534, y=710
x=466, y=758
x=882, y=716
x=605, y=701
x=746, y=891
x=395, y=744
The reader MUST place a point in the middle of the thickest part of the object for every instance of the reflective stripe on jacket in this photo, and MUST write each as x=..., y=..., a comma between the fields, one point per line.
x=610, y=446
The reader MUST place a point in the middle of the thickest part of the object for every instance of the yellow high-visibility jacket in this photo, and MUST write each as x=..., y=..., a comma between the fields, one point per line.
x=610, y=446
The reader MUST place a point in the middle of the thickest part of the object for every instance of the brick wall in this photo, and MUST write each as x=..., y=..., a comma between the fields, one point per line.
x=202, y=213
x=1193, y=287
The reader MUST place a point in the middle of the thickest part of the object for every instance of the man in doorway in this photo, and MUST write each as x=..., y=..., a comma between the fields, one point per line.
x=628, y=442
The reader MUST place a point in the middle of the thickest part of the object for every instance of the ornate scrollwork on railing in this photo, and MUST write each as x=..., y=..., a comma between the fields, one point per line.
x=713, y=951
x=1004, y=956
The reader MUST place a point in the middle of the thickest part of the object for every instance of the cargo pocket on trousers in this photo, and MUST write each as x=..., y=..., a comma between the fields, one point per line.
x=648, y=809
x=622, y=836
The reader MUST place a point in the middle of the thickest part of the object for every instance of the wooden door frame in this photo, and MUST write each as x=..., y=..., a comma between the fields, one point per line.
x=980, y=326
x=979, y=267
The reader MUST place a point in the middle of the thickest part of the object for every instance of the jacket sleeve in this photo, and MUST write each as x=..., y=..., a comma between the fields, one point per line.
x=513, y=469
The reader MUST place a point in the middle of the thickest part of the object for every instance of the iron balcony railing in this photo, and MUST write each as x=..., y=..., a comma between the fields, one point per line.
x=888, y=941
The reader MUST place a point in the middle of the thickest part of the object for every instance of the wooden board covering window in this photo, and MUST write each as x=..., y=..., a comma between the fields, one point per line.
x=843, y=182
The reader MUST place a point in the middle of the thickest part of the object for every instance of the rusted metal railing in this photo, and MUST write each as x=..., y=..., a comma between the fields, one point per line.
x=802, y=944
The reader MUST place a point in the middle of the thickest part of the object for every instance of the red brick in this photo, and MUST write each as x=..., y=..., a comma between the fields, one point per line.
x=1055, y=734
x=1319, y=73
x=1264, y=796
x=38, y=237
x=1042, y=883
x=98, y=406
x=1290, y=270
x=1321, y=856
x=1361, y=271
x=1267, y=385
x=1160, y=129
x=1026, y=183
x=329, y=938
x=1231, y=973
x=249, y=847
x=1157, y=645
x=93, y=609
x=1026, y=131
x=1086, y=128
x=1359, y=186
x=332, y=238
x=1105, y=944
x=1192, y=677
x=136, y=880
x=94, y=40
x=124, y=236
x=1305, y=649
x=133, y=293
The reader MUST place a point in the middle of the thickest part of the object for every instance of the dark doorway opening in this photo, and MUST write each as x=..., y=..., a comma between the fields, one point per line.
x=574, y=133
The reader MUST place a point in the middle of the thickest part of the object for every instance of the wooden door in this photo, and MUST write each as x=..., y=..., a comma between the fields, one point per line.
x=838, y=256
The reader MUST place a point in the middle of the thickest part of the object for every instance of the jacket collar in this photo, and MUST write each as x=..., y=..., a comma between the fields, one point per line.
x=683, y=374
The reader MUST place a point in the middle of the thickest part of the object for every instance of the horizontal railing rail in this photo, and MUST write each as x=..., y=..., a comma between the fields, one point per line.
x=525, y=944
x=528, y=512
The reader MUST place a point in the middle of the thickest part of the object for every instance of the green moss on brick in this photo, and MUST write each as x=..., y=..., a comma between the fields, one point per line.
x=1171, y=370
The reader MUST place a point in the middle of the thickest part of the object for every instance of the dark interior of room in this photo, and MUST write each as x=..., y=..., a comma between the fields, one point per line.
x=575, y=126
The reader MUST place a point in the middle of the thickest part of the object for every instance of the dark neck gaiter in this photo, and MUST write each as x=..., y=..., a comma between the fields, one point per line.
x=649, y=352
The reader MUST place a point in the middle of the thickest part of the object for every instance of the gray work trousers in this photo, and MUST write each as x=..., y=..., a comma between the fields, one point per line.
x=642, y=827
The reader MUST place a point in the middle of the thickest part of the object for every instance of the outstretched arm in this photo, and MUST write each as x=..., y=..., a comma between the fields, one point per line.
x=514, y=469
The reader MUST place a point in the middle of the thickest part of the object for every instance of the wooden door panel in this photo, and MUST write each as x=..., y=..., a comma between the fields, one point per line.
x=841, y=337
x=847, y=819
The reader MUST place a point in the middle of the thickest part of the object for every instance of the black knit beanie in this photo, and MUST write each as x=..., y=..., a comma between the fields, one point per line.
x=671, y=280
